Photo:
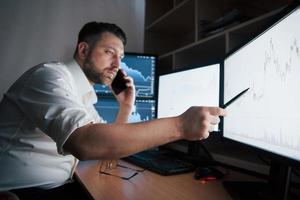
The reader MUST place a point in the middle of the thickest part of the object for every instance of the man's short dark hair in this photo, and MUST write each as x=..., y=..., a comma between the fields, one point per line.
x=91, y=32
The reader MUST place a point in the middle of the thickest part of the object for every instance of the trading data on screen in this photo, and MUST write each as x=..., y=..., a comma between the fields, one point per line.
x=193, y=87
x=144, y=110
x=267, y=115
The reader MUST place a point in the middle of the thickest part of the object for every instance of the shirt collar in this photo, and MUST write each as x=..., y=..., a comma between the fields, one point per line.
x=85, y=89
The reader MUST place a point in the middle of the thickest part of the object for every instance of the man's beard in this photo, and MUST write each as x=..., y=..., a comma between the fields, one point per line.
x=92, y=75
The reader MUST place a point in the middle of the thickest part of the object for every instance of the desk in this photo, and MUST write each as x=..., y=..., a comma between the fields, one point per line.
x=150, y=186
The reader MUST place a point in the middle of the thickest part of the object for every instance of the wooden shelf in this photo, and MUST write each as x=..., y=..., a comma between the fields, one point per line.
x=171, y=31
x=201, y=54
x=175, y=29
x=155, y=9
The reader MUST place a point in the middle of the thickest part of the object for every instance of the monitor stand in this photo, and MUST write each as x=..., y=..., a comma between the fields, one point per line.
x=277, y=188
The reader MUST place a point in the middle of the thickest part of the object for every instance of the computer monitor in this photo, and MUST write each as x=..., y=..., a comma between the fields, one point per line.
x=144, y=110
x=180, y=90
x=266, y=117
x=141, y=67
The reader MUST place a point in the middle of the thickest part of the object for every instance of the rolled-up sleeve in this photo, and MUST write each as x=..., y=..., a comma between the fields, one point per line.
x=53, y=104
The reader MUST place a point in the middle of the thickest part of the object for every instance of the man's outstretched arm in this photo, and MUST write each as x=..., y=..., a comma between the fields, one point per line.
x=113, y=141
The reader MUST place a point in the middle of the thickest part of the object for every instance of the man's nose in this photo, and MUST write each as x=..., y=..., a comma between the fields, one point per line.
x=116, y=62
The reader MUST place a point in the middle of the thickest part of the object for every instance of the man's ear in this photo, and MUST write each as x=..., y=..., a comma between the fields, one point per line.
x=83, y=50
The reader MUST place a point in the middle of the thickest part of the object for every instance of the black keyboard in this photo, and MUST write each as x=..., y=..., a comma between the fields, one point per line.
x=160, y=162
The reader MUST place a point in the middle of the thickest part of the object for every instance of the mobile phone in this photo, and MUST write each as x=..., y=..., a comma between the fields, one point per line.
x=119, y=83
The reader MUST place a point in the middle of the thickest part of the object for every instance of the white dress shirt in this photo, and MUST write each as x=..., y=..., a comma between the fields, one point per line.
x=37, y=115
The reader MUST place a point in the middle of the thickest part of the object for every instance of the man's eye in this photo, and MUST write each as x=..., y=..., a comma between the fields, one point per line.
x=109, y=52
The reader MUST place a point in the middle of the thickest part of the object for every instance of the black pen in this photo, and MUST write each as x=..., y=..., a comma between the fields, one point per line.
x=235, y=98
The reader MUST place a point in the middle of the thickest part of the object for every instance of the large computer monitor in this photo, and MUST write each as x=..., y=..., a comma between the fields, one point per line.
x=177, y=91
x=266, y=117
x=180, y=90
x=141, y=67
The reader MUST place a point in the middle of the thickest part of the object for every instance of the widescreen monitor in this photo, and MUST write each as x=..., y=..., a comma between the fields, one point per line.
x=141, y=67
x=266, y=117
x=144, y=110
x=190, y=87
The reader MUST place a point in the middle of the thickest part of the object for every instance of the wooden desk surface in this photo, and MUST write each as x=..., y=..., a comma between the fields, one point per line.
x=150, y=186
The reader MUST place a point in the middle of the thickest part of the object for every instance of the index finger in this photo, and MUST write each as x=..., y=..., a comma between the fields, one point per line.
x=217, y=111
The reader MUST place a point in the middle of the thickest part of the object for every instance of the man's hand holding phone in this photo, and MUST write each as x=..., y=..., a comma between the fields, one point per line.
x=123, y=88
x=118, y=85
